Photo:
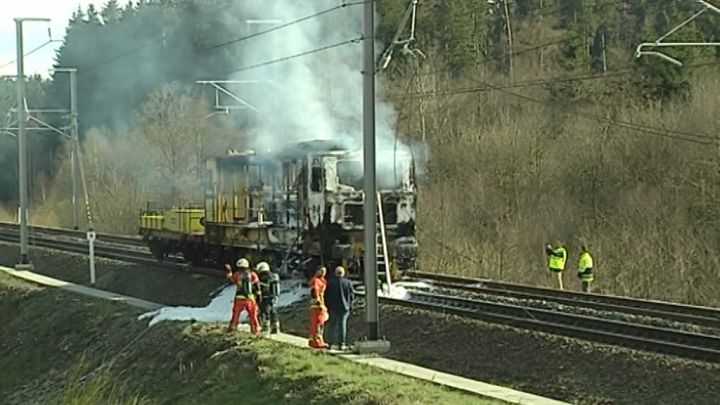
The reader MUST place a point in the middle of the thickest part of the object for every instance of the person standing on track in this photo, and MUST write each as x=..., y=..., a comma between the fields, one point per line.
x=269, y=293
x=585, y=269
x=318, y=310
x=248, y=285
x=339, y=298
x=556, y=260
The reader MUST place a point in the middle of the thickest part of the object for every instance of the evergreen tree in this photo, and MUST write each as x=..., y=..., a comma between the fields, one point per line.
x=111, y=13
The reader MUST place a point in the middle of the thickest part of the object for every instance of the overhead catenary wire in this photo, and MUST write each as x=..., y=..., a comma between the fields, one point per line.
x=294, y=22
x=158, y=38
x=123, y=54
x=297, y=55
x=544, y=11
x=288, y=24
x=700, y=139
x=30, y=52
x=624, y=71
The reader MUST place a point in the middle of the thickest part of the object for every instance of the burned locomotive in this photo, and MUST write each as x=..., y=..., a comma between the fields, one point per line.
x=296, y=207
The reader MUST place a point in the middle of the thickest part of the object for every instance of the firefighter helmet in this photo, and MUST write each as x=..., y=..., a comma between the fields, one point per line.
x=243, y=263
x=262, y=266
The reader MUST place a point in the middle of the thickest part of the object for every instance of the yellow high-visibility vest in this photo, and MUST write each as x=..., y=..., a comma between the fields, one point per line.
x=586, y=261
x=557, y=261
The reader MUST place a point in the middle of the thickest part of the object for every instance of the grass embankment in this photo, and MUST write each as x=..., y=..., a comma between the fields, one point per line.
x=56, y=347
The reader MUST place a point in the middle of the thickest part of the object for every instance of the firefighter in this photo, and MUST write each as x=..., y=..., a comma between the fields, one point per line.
x=585, y=268
x=318, y=310
x=248, y=285
x=556, y=261
x=269, y=293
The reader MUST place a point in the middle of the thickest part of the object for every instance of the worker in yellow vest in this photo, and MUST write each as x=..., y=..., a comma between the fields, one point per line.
x=557, y=257
x=585, y=269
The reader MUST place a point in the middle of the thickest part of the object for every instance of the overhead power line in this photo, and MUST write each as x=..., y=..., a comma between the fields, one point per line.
x=39, y=47
x=545, y=11
x=288, y=24
x=624, y=71
x=123, y=54
x=700, y=139
x=297, y=55
x=153, y=41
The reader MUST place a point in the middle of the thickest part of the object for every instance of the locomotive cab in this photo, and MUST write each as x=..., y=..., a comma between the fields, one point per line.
x=297, y=207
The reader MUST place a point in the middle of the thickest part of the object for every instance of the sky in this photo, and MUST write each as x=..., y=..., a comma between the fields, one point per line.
x=36, y=33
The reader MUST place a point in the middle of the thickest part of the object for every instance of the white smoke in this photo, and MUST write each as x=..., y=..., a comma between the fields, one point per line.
x=316, y=96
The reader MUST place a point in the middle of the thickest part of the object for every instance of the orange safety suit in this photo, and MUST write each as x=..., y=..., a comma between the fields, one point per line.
x=245, y=300
x=318, y=312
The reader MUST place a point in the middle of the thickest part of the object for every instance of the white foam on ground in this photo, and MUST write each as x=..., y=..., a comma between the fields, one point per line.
x=396, y=291
x=220, y=307
x=418, y=285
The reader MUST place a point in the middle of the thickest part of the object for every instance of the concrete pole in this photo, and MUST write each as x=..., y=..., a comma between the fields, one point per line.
x=24, y=263
x=369, y=186
x=74, y=134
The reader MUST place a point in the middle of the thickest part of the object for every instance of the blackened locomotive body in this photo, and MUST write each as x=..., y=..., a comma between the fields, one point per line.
x=296, y=207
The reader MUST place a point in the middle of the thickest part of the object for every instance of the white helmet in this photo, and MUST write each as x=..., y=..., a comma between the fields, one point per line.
x=243, y=263
x=262, y=266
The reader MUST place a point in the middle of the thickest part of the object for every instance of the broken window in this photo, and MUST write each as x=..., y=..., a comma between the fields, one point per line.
x=316, y=175
x=390, y=174
x=350, y=173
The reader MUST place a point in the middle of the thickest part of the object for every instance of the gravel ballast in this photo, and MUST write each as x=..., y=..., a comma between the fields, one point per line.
x=152, y=283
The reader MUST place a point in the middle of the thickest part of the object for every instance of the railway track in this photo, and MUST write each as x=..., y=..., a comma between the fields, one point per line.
x=703, y=316
x=650, y=338
x=646, y=337
x=125, y=248
x=125, y=240
x=80, y=246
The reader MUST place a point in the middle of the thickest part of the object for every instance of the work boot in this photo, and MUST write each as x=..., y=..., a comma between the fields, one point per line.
x=316, y=343
x=275, y=327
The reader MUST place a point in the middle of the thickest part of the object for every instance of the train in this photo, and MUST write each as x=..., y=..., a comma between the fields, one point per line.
x=296, y=207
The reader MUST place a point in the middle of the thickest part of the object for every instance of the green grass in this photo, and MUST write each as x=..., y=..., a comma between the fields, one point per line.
x=100, y=388
x=327, y=379
x=61, y=348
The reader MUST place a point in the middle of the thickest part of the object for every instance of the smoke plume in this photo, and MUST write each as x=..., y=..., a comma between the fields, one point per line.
x=315, y=96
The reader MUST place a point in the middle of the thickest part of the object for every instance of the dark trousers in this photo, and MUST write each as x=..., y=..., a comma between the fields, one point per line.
x=268, y=313
x=337, y=327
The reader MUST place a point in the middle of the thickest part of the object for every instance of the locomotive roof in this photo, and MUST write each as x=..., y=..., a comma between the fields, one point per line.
x=291, y=150
x=299, y=149
x=295, y=150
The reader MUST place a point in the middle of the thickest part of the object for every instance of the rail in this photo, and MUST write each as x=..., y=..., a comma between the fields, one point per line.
x=101, y=237
x=650, y=338
x=117, y=247
x=704, y=316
